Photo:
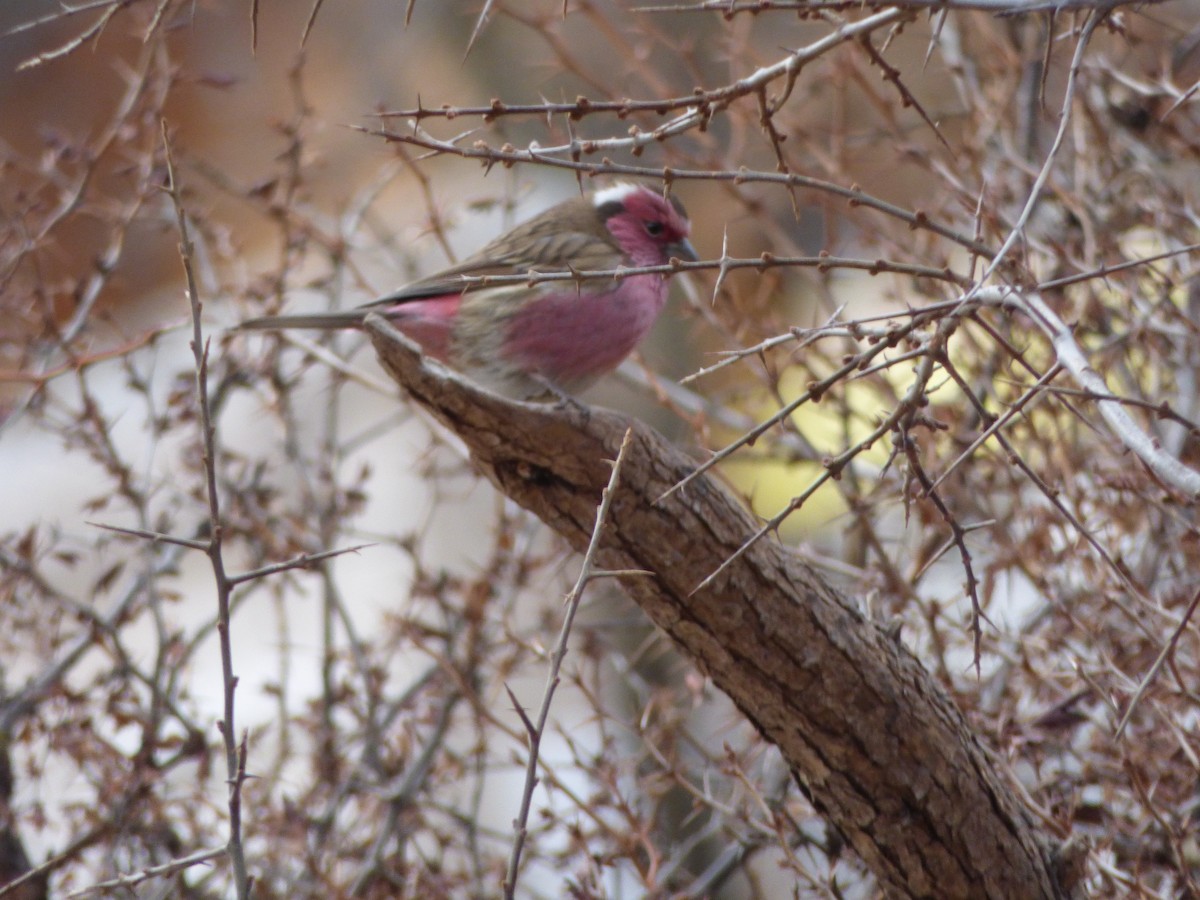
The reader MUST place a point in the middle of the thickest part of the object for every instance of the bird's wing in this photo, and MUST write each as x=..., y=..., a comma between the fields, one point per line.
x=448, y=281
x=561, y=239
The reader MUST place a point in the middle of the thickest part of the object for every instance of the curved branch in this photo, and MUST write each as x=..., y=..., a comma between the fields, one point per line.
x=1071, y=357
x=872, y=739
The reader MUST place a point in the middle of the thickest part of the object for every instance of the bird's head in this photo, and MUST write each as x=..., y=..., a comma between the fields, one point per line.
x=649, y=228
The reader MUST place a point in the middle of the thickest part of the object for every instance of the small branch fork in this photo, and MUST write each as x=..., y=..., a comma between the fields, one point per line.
x=536, y=730
x=166, y=870
x=958, y=533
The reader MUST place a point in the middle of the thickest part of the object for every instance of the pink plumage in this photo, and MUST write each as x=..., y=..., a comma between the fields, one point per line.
x=527, y=340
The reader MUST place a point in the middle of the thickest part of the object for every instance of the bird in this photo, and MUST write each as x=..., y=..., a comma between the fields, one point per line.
x=534, y=340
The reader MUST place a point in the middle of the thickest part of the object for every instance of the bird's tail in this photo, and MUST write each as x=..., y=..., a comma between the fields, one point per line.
x=348, y=318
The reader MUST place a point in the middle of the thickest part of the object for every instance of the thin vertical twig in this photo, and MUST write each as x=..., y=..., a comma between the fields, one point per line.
x=1035, y=192
x=536, y=730
x=235, y=757
x=1167, y=650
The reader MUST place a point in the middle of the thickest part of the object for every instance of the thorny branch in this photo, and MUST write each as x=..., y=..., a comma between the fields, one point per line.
x=235, y=754
x=508, y=156
x=166, y=870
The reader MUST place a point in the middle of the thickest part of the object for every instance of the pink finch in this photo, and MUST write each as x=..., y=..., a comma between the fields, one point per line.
x=524, y=340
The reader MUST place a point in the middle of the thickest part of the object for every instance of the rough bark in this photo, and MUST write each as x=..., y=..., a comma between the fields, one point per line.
x=880, y=749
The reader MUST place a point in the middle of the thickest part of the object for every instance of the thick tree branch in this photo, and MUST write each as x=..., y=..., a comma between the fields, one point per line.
x=875, y=743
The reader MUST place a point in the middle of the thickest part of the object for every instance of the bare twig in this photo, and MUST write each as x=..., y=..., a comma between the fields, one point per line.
x=1152, y=673
x=165, y=870
x=234, y=760
x=156, y=536
x=1035, y=192
x=535, y=730
x=304, y=561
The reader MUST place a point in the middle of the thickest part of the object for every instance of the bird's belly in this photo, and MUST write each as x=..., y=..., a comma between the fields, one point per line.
x=572, y=338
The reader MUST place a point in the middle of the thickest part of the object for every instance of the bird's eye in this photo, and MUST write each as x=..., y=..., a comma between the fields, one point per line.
x=654, y=228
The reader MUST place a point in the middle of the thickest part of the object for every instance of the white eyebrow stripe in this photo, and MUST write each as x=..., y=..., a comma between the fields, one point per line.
x=617, y=192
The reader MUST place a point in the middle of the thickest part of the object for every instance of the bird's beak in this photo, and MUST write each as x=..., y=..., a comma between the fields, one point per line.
x=683, y=250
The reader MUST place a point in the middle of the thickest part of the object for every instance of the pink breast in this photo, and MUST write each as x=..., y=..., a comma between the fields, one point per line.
x=572, y=338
